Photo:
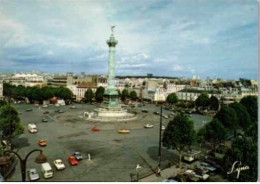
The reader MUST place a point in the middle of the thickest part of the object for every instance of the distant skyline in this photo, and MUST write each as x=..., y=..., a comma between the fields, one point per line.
x=178, y=38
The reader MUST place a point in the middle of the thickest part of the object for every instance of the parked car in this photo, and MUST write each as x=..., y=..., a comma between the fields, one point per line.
x=156, y=112
x=57, y=110
x=73, y=107
x=148, y=126
x=94, y=128
x=44, y=120
x=214, y=164
x=32, y=128
x=77, y=155
x=59, y=164
x=145, y=110
x=33, y=174
x=165, y=116
x=46, y=112
x=28, y=110
x=61, y=111
x=72, y=160
x=45, y=106
x=2, y=179
x=206, y=166
x=42, y=142
x=46, y=170
x=124, y=131
x=163, y=127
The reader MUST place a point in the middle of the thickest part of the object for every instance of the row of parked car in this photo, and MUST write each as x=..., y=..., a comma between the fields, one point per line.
x=47, y=170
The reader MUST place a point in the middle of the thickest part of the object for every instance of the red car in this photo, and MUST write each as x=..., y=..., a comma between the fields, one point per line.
x=72, y=160
x=95, y=128
x=46, y=112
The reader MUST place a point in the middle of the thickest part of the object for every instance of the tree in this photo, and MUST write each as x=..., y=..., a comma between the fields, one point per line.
x=89, y=95
x=213, y=132
x=20, y=91
x=200, y=135
x=228, y=118
x=10, y=122
x=133, y=95
x=202, y=100
x=47, y=92
x=64, y=93
x=252, y=132
x=124, y=94
x=100, y=93
x=37, y=94
x=172, y=98
x=250, y=102
x=214, y=103
x=245, y=151
x=179, y=134
x=243, y=117
x=119, y=92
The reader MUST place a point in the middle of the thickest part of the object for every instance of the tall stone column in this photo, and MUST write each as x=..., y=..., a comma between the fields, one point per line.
x=112, y=42
x=111, y=94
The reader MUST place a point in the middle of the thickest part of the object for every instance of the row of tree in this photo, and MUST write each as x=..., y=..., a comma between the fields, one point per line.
x=36, y=93
x=99, y=95
x=202, y=101
x=180, y=134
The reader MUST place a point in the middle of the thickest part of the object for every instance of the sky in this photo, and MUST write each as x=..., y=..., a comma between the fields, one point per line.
x=178, y=38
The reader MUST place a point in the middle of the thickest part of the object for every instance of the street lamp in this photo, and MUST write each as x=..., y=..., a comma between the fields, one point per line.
x=41, y=158
x=158, y=169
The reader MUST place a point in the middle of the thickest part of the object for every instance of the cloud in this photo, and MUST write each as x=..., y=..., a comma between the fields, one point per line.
x=176, y=67
x=203, y=35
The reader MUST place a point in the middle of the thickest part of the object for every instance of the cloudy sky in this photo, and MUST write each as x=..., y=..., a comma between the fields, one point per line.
x=215, y=38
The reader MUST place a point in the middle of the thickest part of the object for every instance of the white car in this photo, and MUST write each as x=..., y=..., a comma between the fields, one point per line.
x=148, y=126
x=45, y=106
x=33, y=174
x=59, y=164
x=163, y=127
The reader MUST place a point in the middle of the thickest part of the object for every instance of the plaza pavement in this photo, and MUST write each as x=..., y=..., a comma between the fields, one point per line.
x=113, y=156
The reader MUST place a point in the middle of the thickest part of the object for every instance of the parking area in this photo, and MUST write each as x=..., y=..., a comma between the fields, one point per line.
x=113, y=156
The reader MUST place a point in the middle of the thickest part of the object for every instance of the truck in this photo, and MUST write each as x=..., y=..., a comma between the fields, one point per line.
x=32, y=128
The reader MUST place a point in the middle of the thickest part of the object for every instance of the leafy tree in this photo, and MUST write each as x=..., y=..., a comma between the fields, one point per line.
x=228, y=117
x=37, y=93
x=2, y=103
x=65, y=93
x=100, y=93
x=124, y=94
x=172, y=98
x=213, y=132
x=214, y=103
x=252, y=132
x=8, y=89
x=89, y=95
x=245, y=82
x=250, y=102
x=179, y=134
x=119, y=92
x=245, y=151
x=243, y=117
x=47, y=92
x=10, y=122
x=200, y=135
x=133, y=95
x=20, y=91
x=202, y=100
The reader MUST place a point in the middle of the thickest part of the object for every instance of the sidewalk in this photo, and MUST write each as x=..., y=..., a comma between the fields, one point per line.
x=165, y=174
